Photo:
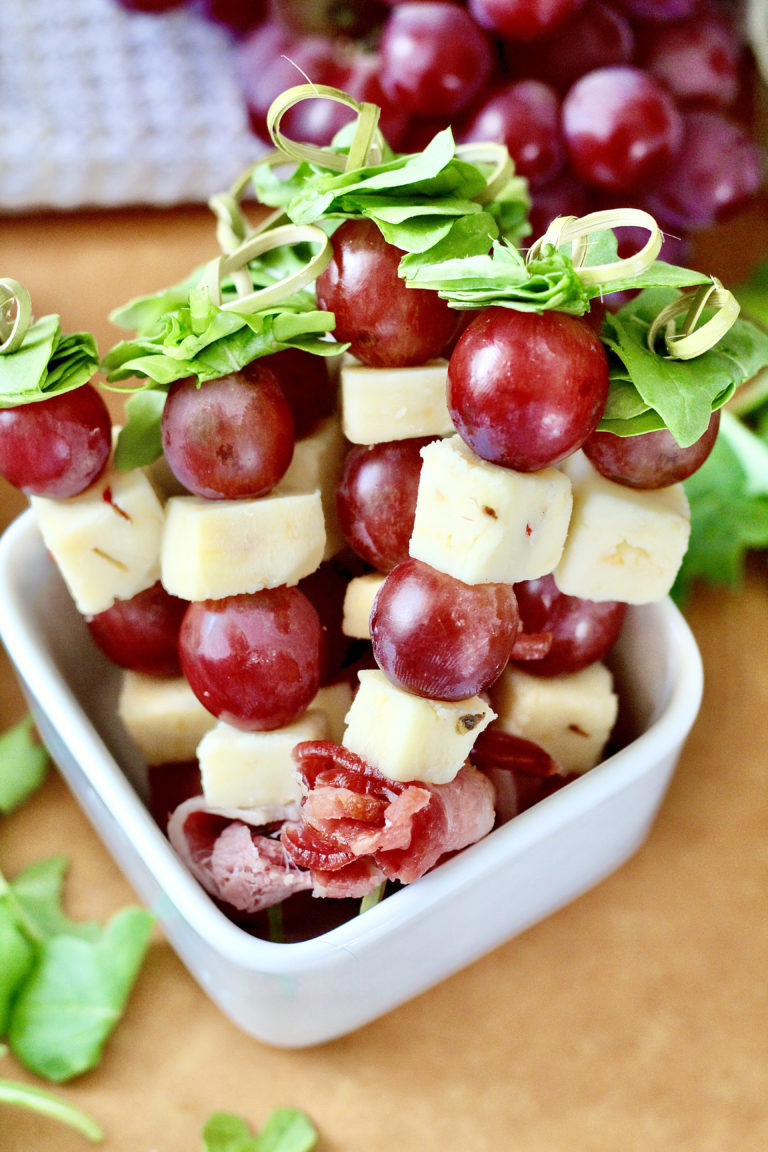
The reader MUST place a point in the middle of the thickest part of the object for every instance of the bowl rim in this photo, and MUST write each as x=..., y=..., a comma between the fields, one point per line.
x=22, y=551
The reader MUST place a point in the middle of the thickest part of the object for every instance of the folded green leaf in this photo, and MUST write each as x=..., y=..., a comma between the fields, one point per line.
x=139, y=442
x=37, y=893
x=680, y=394
x=23, y=764
x=69, y=1006
x=46, y=362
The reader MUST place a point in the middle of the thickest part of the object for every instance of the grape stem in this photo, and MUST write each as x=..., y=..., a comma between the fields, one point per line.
x=14, y=298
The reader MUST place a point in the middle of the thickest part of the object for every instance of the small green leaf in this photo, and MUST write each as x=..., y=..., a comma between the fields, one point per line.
x=47, y=362
x=23, y=764
x=286, y=1130
x=226, y=1132
x=37, y=893
x=17, y=956
x=71, y=1003
x=139, y=442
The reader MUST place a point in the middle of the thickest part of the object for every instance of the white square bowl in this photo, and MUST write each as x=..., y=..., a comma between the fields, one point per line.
x=300, y=994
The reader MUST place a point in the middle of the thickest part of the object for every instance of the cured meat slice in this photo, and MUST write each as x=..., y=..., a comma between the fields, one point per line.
x=235, y=863
x=352, y=811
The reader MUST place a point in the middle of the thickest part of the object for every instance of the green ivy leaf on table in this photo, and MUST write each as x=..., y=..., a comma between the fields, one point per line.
x=285, y=1130
x=23, y=764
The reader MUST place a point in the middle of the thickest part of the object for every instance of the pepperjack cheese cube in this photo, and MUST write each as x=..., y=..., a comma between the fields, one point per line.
x=254, y=769
x=379, y=404
x=317, y=463
x=409, y=737
x=163, y=717
x=217, y=548
x=570, y=716
x=106, y=540
x=358, y=602
x=482, y=523
x=623, y=543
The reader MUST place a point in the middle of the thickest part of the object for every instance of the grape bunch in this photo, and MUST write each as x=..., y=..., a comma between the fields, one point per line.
x=644, y=102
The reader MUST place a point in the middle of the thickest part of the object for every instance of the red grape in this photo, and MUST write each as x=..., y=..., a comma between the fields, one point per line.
x=596, y=37
x=253, y=660
x=697, y=60
x=437, y=637
x=271, y=59
x=651, y=460
x=228, y=438
x=525, y=116
x=386, y=323
x=621, y=128
x=717, y=172
x=661, y=11
x=56, y=447
x=523, y=19
x=141, y=633
x=525, y=390
x=376, y=500
x=307, y=385
x=434, y=59
x=237, y=16
x=582, y=631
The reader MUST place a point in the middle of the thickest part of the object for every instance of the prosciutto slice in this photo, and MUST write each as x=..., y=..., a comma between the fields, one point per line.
x=239, y=865
x=352, y=812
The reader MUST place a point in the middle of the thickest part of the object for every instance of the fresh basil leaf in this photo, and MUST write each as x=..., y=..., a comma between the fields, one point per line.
x=37, y=892
x=23, y=764
x=17, y=955
x=682, y=393
x=46, y=363
x=728, y=497
x=139, y=442
x=285, y=1130
x=75, y=996
x=226, y=1132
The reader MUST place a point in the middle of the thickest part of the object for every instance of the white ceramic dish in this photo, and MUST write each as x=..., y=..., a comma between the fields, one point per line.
x=299, y=994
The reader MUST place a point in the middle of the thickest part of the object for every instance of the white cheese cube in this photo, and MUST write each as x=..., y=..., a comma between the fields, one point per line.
x=623, y=543
x=255, y=769
x=380, y=404
x=106, y=540
x=164, y=718
x=358, y=602
x=482, y=523
x=217, y=548
x=409, y=737
x=333, y=700
x=570, y=716
x=317, y=463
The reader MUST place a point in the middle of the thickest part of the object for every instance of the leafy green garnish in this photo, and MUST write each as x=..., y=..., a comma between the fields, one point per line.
x=285, y=1130
x=23, y=764
x=46, y=363
x=650, y=391
x=728, y=496
x=468, y=275
x=414, y=198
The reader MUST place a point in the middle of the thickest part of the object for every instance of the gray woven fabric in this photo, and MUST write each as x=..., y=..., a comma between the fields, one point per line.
x=102, y=107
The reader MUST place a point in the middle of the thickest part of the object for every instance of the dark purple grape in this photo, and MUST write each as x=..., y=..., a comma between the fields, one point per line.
x=621, y=128
x=376, y=500
x=698, y=60
x=253, y=660
x=582, y=631
x=525, y=390
x=386, y=323
x=437, y=637
x=651, y=460
x=56, y=447
x=228, y=438
x=141, y=633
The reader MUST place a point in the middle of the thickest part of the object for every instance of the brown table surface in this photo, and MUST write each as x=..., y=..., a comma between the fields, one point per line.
x=634, y=1019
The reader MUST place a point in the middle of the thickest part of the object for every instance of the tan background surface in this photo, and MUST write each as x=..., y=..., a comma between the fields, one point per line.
x=635, y=1020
